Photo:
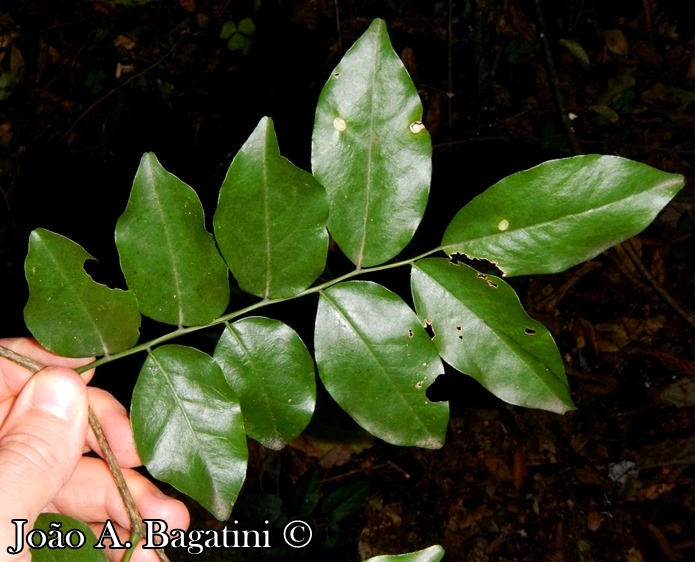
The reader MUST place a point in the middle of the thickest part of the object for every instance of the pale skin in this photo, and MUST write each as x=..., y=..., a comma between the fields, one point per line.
x=43, y=436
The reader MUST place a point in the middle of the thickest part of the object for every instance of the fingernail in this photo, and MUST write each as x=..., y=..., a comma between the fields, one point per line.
x=54, y=394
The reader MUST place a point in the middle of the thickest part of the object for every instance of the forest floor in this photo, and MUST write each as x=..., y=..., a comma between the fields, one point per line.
x=87, y=87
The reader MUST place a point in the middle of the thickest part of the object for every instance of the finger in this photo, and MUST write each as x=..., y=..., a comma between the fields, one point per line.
x=91, y=495
x=123, y=536
x=31, y=349
x=40, y=445
x=116, y=424
x=113, y=554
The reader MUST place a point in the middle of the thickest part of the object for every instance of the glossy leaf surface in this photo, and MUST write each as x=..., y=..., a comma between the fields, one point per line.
x=188, y=427
x=268, y=366
x=169, y=260
x=270, y=222
x=68, y=312
x=54, y=524
x=560, y=213
x=432, y=554
x=482, y=330
x=376, y=360
x=371, y=151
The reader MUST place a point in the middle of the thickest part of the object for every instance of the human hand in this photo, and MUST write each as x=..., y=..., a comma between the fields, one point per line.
x=43, y=435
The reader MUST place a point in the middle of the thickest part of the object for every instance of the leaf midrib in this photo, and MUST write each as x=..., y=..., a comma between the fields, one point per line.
x=78, y=295
x=387, y=376
x=503, y=337
x=539, y=225
x=370, y=149
x=165, y=225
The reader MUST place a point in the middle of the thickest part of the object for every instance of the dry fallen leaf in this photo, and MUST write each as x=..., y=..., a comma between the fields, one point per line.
x=615, y=42
x=681, y=393
x=124, y=42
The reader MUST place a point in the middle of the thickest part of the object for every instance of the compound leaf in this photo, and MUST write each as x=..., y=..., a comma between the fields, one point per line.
x=268, y=366
x=482, y=330
x=376, y=360
x=188, y=427
x=68, y=312
x=371, y=151
x=560, y=213
x=169, y=260
x=270, y=222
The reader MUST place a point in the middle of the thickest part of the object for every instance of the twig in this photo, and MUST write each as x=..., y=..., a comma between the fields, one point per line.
x=136, y=524
x=337, y=26
x=123, y=84
x=649, y=278
x=627, y=246
x=555, y=82
x=449, y=43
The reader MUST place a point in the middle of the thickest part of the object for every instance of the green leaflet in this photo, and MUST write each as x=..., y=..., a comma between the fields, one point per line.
x=68, y=312
x=188, y=427
x=376, y=360
x=307, y=492
x=55, y=524
x=371, y=151
x=270, y=222
x=270, y=370
x=482, y=330
x=345, y=501
x=432, y=554
x=169, y=260
x=560, y=213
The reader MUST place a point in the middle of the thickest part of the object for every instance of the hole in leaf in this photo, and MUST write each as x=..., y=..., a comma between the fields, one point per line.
x=530, y=331
x=461, y=391
x=416, y=127
x=336, y=75
x=485, y=278
x=479, y=264
x=410, y=333
x=104, y=275
x=428, y=328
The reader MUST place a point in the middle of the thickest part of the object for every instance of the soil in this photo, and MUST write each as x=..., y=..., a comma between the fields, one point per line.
x=87, y=87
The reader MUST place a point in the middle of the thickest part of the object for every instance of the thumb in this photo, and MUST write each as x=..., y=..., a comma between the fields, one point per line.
x=41, y=442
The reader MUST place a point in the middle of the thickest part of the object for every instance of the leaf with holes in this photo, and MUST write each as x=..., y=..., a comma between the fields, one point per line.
x=560, y=213
x=169, y=260
x=371, y=151
x=270, y=221
x=188, y=427
x=268, y=366
x=376, y=361
x=482, y=330
x=68, y=312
